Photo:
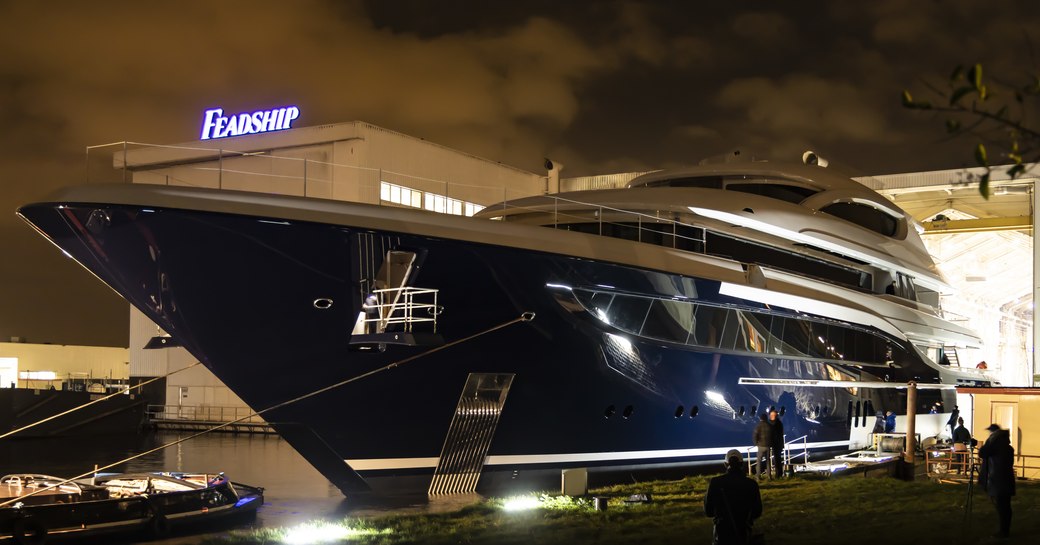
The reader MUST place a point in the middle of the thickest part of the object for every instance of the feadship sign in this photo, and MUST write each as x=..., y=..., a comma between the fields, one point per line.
x=217, y=125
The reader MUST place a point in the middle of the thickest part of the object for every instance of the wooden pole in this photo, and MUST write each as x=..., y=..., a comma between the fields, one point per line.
x=911, y=421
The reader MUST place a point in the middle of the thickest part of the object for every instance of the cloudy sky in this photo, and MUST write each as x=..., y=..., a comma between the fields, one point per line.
x=600, y=86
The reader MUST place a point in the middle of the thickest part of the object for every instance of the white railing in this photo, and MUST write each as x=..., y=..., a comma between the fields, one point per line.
x=789, y=458
x=405, y=306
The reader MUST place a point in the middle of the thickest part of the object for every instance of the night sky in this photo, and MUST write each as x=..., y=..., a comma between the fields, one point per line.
x=599, y=86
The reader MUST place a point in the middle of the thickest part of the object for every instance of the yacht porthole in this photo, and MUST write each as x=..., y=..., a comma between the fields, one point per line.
x=694, y=410
x=609, y=412
x=679, y=411
x=323, y=303
x=628, y=411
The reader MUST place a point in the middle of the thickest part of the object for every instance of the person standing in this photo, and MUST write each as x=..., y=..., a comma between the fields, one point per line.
x=890, y=422
x=777, y=437
x=733, y=501
x=997, y=475
x=763, y=438
x=962, y=443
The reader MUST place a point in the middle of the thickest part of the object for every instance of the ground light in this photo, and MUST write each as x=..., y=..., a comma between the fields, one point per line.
x=324, y=532
x=521, y=503
x=545, y=501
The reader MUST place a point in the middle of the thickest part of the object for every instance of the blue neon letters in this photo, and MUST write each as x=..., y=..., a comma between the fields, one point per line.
x=216, y=125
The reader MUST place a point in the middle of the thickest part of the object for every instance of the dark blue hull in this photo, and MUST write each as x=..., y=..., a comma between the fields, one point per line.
x=238, y=293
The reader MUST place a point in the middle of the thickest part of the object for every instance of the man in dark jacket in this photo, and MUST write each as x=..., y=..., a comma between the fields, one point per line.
x=734, y=502
x=997, y=474
x=778, y=442
x=962, y=443
x=763, y=438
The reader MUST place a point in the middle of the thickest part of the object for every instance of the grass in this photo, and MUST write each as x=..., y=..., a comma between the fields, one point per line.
x=803, y=510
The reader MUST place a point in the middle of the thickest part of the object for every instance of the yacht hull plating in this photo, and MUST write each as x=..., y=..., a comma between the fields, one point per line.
x=239, y=287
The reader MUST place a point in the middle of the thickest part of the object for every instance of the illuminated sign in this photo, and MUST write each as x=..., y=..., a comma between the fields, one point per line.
x=216, y=125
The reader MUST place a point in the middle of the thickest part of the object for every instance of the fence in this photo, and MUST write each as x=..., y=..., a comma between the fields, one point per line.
x=191, y=417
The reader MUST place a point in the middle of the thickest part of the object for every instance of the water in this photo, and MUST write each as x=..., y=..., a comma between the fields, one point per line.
x=294, y=491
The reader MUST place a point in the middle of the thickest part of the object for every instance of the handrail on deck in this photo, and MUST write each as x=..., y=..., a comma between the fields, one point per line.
x=789, y=458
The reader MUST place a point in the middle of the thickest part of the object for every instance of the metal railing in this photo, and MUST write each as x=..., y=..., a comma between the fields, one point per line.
x=202, y=413
x=804, y=455
x=406, y=306
x=941, y=461
x=788, y=457
x=1027, y=466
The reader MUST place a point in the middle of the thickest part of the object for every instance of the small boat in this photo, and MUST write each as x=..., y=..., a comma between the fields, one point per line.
x=123, y=502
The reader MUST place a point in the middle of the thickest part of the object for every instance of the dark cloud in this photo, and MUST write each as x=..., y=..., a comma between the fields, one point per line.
x=600, y=86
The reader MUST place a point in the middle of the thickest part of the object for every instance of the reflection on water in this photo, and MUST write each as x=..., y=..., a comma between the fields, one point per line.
x=294, y=491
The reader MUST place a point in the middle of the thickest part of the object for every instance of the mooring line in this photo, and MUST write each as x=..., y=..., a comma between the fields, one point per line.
x=525, y=317
x=99, y=400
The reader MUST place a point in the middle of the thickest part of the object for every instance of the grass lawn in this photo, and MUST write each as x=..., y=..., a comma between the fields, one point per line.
x=802, y=510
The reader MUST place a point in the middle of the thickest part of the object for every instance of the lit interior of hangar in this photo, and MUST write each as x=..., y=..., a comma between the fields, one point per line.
x=984, y=247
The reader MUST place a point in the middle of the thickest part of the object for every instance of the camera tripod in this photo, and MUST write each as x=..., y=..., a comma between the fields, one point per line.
x=971, y=486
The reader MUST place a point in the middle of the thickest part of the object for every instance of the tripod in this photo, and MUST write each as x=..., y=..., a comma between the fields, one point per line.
x=971, y=486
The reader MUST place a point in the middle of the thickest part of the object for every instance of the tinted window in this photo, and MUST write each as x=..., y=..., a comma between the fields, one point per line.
x=669, y=320
x=708, y=325
x=707, y=182
x=789, y=193
x=864, y=216
x=628, y=313
x=596, y=301
x=738, y=330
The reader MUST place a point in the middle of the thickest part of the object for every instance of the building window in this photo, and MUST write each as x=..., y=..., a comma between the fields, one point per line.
x=400, y=195
x=433, y=202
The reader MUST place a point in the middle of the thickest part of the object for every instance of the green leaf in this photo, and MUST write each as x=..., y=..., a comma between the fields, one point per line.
x=952, y=125
x=908, y=100
x=975, y=76
x=959, y=94
x=1016, y=171
x=981, y=158
x=983, y=92
x=984, y=186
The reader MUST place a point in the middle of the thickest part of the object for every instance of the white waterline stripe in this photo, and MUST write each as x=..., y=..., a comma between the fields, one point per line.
x=533, y=459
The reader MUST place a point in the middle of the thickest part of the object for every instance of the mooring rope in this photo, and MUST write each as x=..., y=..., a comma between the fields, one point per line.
x=99, y=400
x=525, y=317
